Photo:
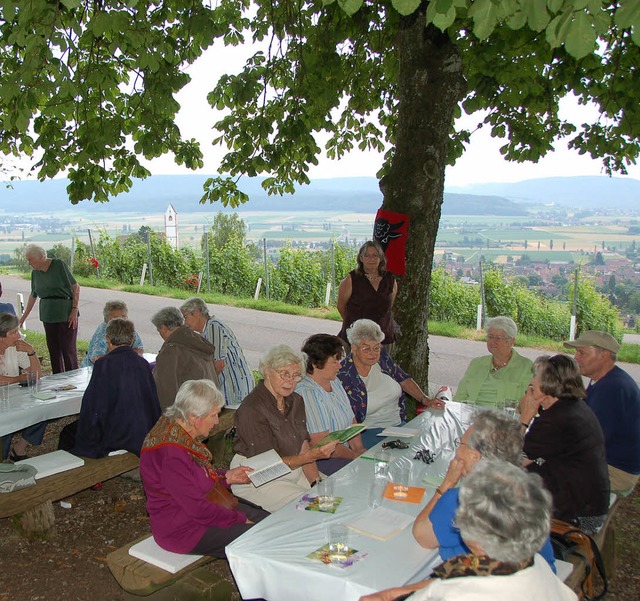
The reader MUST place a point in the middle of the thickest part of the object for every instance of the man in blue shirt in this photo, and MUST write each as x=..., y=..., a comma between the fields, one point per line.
x=614, y=397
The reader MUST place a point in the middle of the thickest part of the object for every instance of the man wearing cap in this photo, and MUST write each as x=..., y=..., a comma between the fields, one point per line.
x=614, y=397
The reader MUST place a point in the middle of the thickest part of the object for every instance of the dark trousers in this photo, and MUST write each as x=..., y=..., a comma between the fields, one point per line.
x=61, y=342
x=215, y=540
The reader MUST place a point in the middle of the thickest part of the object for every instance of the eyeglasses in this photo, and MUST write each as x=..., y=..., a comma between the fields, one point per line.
x=286, y=376
x=371, y=256
x=497, y=338
x=371, y=349
x=458, y=443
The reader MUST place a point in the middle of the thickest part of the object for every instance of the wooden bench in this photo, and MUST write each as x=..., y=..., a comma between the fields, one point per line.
x=32, y=506
x=140, y=579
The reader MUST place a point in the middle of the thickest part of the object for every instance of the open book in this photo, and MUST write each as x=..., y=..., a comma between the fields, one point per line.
x=266, y=466
x=341, y=435
x=381, y=523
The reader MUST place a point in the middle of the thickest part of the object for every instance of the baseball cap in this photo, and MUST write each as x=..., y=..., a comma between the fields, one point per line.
x=595, y=338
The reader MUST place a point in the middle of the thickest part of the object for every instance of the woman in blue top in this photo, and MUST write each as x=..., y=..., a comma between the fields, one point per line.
x=492, y=435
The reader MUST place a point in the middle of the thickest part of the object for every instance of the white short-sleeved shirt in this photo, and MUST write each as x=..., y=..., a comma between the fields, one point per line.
x=12, y=361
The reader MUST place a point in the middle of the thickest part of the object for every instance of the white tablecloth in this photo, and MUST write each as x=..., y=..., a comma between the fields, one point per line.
x=22, y=410
x=270, y=560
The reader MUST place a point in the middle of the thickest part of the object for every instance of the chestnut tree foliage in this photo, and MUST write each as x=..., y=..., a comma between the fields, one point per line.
x=88, y=87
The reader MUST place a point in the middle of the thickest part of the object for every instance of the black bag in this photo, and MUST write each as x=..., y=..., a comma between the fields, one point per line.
x=569, y=541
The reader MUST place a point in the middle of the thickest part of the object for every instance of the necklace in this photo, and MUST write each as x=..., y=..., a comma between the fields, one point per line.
x=372, y=278
x=495, y=368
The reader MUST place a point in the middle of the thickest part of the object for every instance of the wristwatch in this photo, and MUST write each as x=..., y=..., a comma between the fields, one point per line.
x=31, y=354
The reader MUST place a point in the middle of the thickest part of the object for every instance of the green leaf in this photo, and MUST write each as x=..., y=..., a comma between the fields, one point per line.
x=537, y=15
x=484, y=15
x=581, y=36
x=517, y=21
x=628, y=14
x=351, y=7
x=405, y=7
x=441, y=20
x=554, y=5
x=70, y=4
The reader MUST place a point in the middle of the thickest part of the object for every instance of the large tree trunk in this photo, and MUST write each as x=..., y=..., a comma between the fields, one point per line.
x=430, y=86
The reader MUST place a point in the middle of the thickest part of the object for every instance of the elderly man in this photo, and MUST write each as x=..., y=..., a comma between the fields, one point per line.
x=236, y=378
x=120, y=404
x=614, y=397
x=184, y=355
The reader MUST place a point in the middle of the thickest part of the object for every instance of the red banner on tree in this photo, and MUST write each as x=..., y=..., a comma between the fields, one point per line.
x=391, y=230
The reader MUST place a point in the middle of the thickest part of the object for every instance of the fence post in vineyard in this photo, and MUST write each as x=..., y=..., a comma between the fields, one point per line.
x=482, y=297
x=266, y=269
x=333, y=271
x=73, y=254
x=206, y=254
x=574, y=310
x=149, y=253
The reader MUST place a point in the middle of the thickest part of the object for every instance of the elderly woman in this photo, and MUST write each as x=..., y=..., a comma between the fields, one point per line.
x=59, y=294
x=504, y=517
x=17, y=357
x=502, y=375
x=178, y=476
x=565, y=443
x=98, y=345
x=368, y=292
x=375, y=385
x=326, y=403
x=273, y=417
x=236, y=377
x=492, y=435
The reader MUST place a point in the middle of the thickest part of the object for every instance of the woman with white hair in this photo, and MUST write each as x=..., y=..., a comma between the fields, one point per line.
x=492, y=435
x=504, y=517
x=98, y=344
x=272, y=416
x=501, y=375
x=375, y=385
x=59, y=294
x=177, y=475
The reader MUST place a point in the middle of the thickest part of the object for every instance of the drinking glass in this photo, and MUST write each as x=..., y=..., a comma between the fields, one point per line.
x=32, y=381
x=325, y=494
x=511, y=407
x=401, y=476
x=4, y=393
x=338, y=536
x=381, y=464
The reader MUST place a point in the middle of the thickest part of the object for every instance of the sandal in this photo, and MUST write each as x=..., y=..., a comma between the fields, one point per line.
x=13, y=456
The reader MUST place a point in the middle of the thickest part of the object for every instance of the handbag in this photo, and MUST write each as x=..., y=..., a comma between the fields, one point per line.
x=220, y=495
x=569, y=541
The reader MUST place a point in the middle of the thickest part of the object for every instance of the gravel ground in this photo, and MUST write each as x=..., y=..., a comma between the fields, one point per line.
x=71, y=566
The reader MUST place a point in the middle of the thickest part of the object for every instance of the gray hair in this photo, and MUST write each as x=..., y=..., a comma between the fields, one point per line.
x=506, y=324
x=111, y=306
x=120, y=331
x=193, y=303
x=364, y=329
x=8, y=321
x=168, y=316
x=280, y=356
x=496, y=435
x=195, y=397
x=504, y=510
x=33, y=250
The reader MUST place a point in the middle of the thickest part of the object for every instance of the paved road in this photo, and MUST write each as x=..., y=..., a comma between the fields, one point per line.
x=257, y=331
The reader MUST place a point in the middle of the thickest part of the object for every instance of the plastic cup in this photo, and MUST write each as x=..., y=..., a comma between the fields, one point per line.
x=325, y=494
x=338, y=536
x=377, y=486
x=32, y=381
x=511, y=407
x=381, y=464
x=4, y=392
x=401, y=475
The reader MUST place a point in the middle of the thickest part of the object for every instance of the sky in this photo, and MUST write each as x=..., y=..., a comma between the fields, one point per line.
x=481, y=163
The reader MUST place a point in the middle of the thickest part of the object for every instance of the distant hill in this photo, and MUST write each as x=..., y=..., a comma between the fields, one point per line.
x=358, y=195
x=585, y=192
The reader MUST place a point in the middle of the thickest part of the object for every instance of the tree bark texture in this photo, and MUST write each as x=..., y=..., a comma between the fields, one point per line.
x=430, y=86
